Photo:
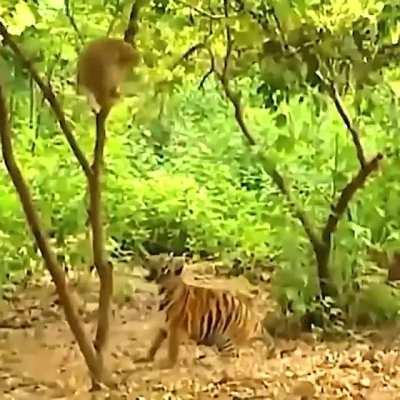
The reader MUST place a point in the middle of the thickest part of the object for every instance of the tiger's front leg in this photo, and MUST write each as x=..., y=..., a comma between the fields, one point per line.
x=155, y=346
x=173, y=349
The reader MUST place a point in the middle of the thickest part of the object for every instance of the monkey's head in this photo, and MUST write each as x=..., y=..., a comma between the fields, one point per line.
x=128, y=56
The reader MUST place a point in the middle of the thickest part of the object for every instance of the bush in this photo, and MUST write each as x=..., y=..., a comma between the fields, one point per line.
x=187, y=182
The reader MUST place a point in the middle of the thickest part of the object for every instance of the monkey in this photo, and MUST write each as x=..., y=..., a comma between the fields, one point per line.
x=102, y=67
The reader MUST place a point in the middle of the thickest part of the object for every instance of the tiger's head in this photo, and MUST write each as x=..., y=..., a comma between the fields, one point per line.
x=163, y=267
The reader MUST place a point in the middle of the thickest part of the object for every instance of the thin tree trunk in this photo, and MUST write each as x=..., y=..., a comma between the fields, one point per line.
x=103, y=267
x=48, y=255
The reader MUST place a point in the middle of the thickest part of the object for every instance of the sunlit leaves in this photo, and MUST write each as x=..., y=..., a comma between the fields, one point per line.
x=284, y=12
x=249, y=33
x=395, y=86
x=178, y=174
x=68, y=52
x=378, y=301
x=22, y=17
x=50, y=8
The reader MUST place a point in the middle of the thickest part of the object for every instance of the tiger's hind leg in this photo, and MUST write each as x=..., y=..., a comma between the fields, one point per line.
x=224, y=345
x=155, y=346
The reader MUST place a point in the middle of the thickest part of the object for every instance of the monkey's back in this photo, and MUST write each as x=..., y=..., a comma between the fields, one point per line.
x=102, y=66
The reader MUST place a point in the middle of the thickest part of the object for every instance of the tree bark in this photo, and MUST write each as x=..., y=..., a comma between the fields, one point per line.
x=102, y=265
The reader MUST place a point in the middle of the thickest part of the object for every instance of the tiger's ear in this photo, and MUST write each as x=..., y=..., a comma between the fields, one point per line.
x=179, y=264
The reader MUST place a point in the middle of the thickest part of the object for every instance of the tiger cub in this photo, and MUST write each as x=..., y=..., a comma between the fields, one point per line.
x=207, y=316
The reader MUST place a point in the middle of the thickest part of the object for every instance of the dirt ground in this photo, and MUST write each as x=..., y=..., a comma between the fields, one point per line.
x=40, y=360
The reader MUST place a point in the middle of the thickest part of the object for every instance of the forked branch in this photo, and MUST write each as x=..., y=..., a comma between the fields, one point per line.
x=321, y=243
x=56, y=272
x=337, y=212
x=346, y=195
x=268, y=167
x=274, y=174
x=93, y=175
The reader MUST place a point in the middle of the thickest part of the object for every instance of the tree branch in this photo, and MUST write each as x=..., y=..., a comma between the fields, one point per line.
x=50, y=97
x=224, y=79
x=212, y=70
x=229, y=43
x=235, y=101
x=55, y=270
x=347, y=121
x=103, y=267
x=49, y=75
x=266, y=163
x=347, y=194
x=355, y=135
x=72, y=21
x=133, y=26
x=323, y=253
x=334, y=95
x=188, y=53
x=321, y=244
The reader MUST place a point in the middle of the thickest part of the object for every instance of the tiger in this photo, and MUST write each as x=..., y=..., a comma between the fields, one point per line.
x=212, y=317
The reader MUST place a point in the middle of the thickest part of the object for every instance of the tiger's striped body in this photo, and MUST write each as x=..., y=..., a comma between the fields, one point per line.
x=204, y=315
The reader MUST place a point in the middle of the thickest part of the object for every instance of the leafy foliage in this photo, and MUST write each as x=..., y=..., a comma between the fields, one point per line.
x=179, y=175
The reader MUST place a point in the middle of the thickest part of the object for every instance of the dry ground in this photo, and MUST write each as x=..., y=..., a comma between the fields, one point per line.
x=39, y=360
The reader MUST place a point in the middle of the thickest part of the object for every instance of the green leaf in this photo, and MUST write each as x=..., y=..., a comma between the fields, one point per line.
x=281, y=120
x=285, y=143
x=22, y=18
x=395, y=86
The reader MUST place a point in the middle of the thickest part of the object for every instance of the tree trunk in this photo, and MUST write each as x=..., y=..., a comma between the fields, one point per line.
x=56, y=272
x=102, y=265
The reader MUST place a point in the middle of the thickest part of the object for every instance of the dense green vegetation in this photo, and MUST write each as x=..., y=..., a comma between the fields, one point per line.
x=180, y=174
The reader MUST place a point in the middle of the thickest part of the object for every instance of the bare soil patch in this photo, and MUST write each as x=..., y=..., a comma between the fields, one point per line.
x=40, y=360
